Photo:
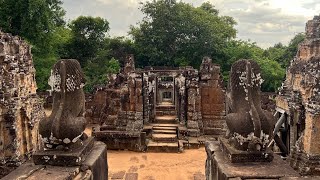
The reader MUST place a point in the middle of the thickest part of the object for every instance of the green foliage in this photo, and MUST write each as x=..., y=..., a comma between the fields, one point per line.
x=88, y=34
x=34, y=20
x=97, y=71
x=271, y=70
x=119, y=48
x=43, y=65
x=40, y=23
x=173, y=34
x=293, y=47
x=272, y=73
x=284, y=54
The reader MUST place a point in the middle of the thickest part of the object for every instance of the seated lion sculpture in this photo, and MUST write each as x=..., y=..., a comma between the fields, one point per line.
x=65, y=126
x=249, y=126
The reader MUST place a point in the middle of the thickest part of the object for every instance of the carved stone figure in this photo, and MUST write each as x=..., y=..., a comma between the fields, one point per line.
x=66, y=123
x=249, y=125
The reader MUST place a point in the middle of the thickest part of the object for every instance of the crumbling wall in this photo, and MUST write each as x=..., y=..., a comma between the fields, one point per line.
x=20, y=107
x=119, y=108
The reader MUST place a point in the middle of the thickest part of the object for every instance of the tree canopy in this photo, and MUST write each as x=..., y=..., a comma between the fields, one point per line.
x=174, y=34
x=170, y=34
x=88, y=34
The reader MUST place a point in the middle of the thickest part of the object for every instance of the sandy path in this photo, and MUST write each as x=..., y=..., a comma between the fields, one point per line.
x=158, y=166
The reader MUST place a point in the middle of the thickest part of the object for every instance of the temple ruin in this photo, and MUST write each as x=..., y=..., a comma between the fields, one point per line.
x=20, y=108
x=160, y=108
x=298, y=105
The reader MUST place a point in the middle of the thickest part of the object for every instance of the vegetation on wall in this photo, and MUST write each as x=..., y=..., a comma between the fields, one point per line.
x=170, y=34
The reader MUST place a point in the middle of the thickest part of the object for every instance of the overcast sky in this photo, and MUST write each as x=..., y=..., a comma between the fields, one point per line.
x=263, y=21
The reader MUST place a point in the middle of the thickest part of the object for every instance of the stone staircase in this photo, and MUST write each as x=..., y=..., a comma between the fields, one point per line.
x=164, y=131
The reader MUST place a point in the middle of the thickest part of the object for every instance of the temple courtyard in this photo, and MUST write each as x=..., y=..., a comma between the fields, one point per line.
x=150, y=166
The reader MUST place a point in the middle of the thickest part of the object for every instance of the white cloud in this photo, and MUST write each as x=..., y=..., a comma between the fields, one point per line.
x=266, y=22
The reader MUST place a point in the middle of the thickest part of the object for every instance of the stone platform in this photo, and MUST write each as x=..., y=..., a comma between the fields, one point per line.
x=219, y=167
x=94, y=167
x=63, y=158
x=237, y=156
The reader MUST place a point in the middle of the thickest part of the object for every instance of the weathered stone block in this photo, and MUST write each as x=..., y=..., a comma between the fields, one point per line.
x=218, y=168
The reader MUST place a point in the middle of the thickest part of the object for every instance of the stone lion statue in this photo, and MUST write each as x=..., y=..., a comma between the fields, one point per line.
x=65, y=125
x=249, y=126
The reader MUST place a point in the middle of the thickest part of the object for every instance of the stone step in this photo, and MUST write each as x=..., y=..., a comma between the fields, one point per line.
x=107, y=127
x=194, y=132
x=164, y=125
x=162, y=146
x=164, y=113
x=165, y=119
x=161, y=131
x=164, y=137
x=214, y=131
x=193, y=143
x=165, y=107
x=164, y=128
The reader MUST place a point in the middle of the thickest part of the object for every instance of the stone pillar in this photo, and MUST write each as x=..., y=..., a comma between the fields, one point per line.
x=146, y=99
x=212, y=98
x=135, y=113
x=180, y=83
x=194, y=123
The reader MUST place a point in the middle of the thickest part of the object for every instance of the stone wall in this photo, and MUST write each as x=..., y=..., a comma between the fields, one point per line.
x=20, y=107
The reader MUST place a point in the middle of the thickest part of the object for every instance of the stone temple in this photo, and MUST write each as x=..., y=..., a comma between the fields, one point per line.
x=159, y=108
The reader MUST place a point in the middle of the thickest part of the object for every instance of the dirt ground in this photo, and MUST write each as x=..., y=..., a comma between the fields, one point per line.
x=189, y=165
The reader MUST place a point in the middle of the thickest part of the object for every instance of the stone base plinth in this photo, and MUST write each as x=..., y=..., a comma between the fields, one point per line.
x=72, y=157
x=94, y=167
x=121, y=140
x=238, y=156
x=218, y=167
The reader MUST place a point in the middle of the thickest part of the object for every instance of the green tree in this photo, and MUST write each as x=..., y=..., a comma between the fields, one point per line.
x=293, y=47
x=34, y=20
x=97, y=71
x=119, y=48
x=44, y=61
x=40, y=22
x=88, y=35
x=271, y=70
x=277, y=53
x=174, y=34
